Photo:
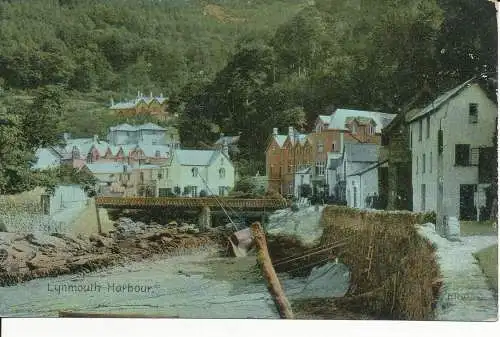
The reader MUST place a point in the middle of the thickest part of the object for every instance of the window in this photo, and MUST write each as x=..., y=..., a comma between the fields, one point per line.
x=422, y=201
x=333, y=147
x=142, y=177
x=420, y=122
x=222, y=190
x=165, y=172
x=160, y=176
x=473, y=113
x=428, y=132
x=194, y=191
x=290, y=166
x=462, y=154
x=320, y=168
x=222, y=173
x=440, y=142
x=423, y=163
x=416, y=166
x=353, y=131
x=194, y=171
x=157, y=154
x=430, y=162
x=320, y=147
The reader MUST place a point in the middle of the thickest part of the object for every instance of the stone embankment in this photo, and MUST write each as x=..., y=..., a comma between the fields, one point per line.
x=28, y=256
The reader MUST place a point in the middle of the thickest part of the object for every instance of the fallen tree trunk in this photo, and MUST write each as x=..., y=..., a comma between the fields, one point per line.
x=266, y=266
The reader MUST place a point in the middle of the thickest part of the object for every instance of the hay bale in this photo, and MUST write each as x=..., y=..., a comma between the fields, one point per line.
x=390, y=263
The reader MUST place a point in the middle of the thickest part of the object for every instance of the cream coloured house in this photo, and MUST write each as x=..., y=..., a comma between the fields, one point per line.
x=189, y=172
x=451, y=143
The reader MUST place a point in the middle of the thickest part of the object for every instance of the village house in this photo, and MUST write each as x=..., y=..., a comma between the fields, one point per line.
x=145, y=134
x=288, y=160
x=451, y=143
x=358, y=170
x=142, y=105
x=197, y=172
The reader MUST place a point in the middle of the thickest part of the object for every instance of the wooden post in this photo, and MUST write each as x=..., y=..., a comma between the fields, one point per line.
x=99, y=228
x=266, y=266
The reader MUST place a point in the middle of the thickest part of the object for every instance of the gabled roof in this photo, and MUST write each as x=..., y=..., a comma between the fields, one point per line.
x=324, y=118
x=339, y=116
x=280, y=139
x=230, y=140
x=442, y=99
x=150, y=126
x=361, y=152
x=150, y=150
x=122, y=127
x=195, y=157
x=133, y=103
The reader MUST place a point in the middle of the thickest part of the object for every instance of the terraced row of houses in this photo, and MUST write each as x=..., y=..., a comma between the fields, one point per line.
x=144, y=160
x=435, y=157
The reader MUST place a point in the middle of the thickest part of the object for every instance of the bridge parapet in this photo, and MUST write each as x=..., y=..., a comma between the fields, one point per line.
x=188, y=202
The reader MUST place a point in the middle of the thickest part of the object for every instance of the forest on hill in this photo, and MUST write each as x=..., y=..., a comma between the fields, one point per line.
x=122, y=46
x=359, y=54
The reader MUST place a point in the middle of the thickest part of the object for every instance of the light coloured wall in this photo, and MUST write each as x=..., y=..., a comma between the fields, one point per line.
x=67, y=196
x=454, y=119
x=182, y=176
x=301, y=178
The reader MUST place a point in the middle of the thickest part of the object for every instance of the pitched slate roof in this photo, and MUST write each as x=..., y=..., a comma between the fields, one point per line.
x=133, y=103
x=150, y=150
x=440, y=100
x=339, y=117
x=122, y=127
x=280, y=139
x=195, y=157
x=229, y=139
x=361, y=152
x=132, y=128
x=325, y=118
x=150, y=126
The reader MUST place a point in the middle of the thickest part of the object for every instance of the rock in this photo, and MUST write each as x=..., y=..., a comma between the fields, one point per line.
x=142, y=245
x=101, y=241
x=165, y=239
x=46, y=240
x=193, y=231
x=43, y=261
x=173, y=223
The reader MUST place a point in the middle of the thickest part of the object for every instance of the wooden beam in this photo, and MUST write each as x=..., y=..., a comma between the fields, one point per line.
x=76, y=314
x=99, y=228
x=266, y=266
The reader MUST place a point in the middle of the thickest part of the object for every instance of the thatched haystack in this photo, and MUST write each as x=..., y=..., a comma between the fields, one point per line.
x=393, y=269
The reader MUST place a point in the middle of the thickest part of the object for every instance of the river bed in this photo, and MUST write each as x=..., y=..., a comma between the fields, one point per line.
x=199, y=285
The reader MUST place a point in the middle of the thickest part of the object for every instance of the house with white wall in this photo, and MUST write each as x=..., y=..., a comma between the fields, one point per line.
x=47, y=158
x=451, y=141
x=188, y=172
x=362, y=185
x=357, y=157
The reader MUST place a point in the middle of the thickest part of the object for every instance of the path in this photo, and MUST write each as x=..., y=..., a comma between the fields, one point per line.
x=465, y=295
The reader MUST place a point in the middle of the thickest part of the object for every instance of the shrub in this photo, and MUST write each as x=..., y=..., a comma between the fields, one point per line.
x=429, y=217
x=295, y=207
x=203, y=193
x=305, y=191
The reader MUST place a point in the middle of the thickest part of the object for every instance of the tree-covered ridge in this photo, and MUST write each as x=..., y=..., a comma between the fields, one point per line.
x=126, y=45
x=360, y=54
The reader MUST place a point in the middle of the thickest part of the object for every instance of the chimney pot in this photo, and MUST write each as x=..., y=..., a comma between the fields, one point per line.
x=275, y=131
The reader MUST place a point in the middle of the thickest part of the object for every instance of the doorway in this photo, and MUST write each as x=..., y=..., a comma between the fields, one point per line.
x=467, y=208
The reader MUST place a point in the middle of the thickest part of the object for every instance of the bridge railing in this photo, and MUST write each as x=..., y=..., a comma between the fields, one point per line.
x=188, y=202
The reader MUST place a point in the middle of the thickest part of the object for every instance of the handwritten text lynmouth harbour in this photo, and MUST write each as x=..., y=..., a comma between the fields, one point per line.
x=96, y=287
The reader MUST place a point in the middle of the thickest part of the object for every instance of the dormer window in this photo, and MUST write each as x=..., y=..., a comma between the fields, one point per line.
x=194, y=171
x=222, y=173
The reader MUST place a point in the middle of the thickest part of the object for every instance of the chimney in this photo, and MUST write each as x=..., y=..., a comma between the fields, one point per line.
x=138, y=94
x=151, y=94
x=66, y=136
x=275, y=131
x=161, y=95
x=112, y=101
x=225, y=148
x=96, y=138
x=291, y=132
x=221, y=135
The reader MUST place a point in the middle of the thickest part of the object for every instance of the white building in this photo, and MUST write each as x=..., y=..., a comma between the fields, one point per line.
x=189, y=172
x=145, y=134
x=303, y=176
x=361, y=185
x=357, y=158
x=47, y=158
x=451, y=144
x=334, y=161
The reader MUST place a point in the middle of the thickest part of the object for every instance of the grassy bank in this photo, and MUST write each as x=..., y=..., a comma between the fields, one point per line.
x=468, y=228
x=488, y=261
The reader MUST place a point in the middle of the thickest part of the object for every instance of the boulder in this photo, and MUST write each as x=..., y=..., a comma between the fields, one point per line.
x=46, y=262
x=38, y=239
x=173, y=223
x=101, y=241
x=327, y=281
